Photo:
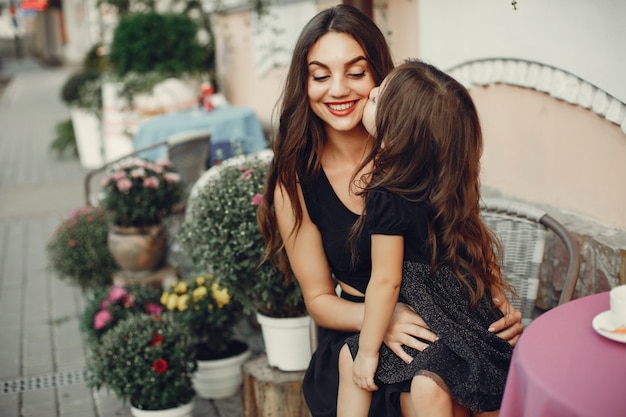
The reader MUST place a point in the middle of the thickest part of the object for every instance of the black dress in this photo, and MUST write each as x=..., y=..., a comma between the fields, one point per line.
x=321, y=380
x=469, y=361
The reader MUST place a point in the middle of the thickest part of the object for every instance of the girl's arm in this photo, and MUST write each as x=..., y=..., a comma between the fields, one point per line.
x=381, y=297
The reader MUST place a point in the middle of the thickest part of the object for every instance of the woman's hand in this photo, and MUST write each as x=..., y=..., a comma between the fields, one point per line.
x=510, y=326
x=404, y=329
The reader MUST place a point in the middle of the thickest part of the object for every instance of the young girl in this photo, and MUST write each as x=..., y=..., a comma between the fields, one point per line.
x=429, y=249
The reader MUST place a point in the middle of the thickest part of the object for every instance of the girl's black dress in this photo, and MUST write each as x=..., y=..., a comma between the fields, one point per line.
x=467, y=360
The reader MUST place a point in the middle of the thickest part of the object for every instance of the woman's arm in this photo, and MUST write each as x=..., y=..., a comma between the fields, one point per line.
x=309, y=264
x=380, y=298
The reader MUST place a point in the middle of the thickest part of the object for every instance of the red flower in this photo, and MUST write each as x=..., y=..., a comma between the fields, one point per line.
x=160, y=365
x=156, y=339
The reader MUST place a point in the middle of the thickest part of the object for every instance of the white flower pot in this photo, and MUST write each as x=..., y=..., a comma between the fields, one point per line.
x=88, y=133
x=286, y=341
x=185, y=410
x=219, y=378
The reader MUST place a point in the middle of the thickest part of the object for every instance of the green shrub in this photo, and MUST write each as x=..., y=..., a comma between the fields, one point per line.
x=166, y=43
x=78, y=251
x=64, y=139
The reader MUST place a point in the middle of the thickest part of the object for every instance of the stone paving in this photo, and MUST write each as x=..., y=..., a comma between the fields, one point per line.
x=42, y=355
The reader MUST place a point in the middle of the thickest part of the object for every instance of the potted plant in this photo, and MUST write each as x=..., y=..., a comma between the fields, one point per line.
x=138, y=194
x=78, y=251
x=82, y=93
x=148, y=361
x=221, y=234
x=105, y=307
x=210, y=313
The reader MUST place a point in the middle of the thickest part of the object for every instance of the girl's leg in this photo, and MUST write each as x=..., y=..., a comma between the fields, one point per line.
x=429, y=399
x=407, y=407
x=352, y=401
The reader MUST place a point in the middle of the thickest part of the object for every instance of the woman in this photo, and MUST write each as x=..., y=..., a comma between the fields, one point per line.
x=308, y=209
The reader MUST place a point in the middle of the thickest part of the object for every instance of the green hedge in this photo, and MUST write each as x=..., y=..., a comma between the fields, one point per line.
x=166, y=43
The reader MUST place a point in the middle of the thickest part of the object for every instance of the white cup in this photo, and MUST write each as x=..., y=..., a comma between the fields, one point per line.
x=618, y=305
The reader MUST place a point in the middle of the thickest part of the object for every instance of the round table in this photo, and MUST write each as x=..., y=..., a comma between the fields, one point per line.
x=562, y=367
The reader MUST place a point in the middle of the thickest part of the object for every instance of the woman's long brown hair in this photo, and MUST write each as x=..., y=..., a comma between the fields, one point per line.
x=432, y=148
x=301, y=134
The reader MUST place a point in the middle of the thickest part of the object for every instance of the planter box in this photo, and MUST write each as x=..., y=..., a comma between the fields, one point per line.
x=87, y=131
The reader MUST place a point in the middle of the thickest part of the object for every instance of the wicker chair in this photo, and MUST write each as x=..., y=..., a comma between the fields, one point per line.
x=187, y=153
x=522, y=231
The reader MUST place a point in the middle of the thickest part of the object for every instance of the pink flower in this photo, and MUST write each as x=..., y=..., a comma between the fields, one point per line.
x=154, y=309
x=71, y=243
x=101, y=319
x=151, y=182
x=104, y=304
x=119, y=175
x=116, y=293
x=257, y=199
x=138, y=173
x=164, y=163
x=124, y=185
x=247, y=173
x=171, y=177
x=129, y=301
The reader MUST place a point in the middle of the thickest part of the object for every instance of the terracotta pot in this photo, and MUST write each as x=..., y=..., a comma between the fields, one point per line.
x=137, y=249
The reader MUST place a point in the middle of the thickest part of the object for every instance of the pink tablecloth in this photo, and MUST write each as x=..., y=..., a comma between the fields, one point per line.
x=562, y=368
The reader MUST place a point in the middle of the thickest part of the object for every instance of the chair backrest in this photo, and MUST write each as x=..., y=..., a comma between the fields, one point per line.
x=186, y=152
x=522, y=231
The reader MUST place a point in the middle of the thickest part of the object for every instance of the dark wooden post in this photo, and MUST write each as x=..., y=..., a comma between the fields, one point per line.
x=366, y=6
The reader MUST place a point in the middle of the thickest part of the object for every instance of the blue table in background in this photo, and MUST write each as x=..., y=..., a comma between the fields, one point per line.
x=234, y=130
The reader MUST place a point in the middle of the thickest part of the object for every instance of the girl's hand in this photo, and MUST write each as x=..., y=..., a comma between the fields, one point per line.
x=363, y=371
x=510, y=326
x=404, y=329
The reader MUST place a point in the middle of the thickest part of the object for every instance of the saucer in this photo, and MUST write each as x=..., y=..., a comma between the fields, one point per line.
x=602, y=322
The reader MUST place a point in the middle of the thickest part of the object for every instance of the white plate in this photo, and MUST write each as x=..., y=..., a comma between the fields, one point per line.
x=602, y=323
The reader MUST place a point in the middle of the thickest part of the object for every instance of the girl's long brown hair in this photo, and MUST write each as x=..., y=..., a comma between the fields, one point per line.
x=301, y=134
x=432, y=148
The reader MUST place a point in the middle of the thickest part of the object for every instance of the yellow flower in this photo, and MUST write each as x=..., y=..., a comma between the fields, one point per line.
x=181, y=287
x=164, y=298
x=172, y=302
x=221, y=296
x=199, y=293
x=183, y=302
x=200, y=280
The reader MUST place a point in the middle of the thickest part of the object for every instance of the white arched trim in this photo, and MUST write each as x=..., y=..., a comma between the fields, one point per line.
x=544, y=78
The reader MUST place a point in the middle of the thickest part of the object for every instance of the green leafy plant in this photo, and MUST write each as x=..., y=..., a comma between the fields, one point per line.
x=64, y=140
x=140, y=193
x=83, y=89
x=208, y=310
x=77, y=250
x=105, y=307
x=166, y=43
x=146, y=360
x=221, y=235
